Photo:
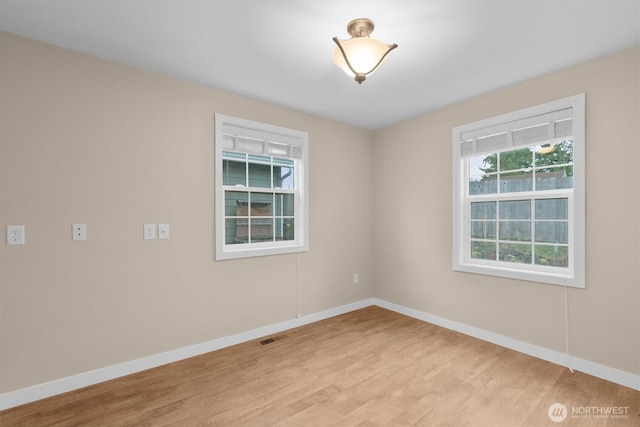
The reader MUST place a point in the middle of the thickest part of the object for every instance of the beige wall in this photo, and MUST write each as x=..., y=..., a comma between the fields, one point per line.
x=414, y=212
x=84, y=140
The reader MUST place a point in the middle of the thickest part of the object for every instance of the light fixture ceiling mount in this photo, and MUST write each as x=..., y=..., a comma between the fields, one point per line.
x=361, y=55
x=361, y=27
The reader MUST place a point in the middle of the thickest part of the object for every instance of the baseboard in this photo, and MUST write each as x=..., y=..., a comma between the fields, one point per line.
x=63, y=385
x=597, y=370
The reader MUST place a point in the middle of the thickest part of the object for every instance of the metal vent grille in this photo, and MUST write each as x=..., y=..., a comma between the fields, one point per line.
x=273, y=339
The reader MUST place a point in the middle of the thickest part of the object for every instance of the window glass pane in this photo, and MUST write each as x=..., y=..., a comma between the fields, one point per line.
x=554, y=154
x=241, y=226
x=232, y=231
x=483, y=164
x=284, y=205
x=514, y=182
x=261, y=204
x=515, y=231
x=483, y=229
x=483, y=250
x=554, y=178
x=555, y=256
x=236, y=203
x=235, y=156
x=516, y=209
x=234, y=173
x=482, y=174
x=488, y=185
x=516, y=159
x=284, y=229
x=289, y=229
x=513, y=252
x=261, y=229
x=283, y=177
x=253, y=158
x=552, y=231
x=283, y=162
x=259, y=175
x=483, y=210
x=552, y=209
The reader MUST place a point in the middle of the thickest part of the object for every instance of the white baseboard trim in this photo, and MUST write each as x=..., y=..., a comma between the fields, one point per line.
x=597, y=370
x=63, y=385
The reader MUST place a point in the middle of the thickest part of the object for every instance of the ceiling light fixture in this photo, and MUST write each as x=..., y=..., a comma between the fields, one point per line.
x=360, y=55
x=547, y=149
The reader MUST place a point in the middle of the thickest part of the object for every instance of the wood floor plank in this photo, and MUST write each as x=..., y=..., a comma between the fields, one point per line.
x=371, y=367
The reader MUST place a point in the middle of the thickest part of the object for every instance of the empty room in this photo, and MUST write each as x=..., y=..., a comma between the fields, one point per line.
x=319, y=213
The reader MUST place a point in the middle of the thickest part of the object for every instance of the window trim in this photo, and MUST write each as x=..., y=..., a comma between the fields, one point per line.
x=574, y=275
x=270, y=135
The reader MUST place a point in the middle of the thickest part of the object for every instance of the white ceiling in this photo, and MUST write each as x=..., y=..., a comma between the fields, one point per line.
x=280, y=51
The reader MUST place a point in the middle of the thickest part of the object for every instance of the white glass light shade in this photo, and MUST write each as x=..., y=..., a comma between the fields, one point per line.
x=364, y=55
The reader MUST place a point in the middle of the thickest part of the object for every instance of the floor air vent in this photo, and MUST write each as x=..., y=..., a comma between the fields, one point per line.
x=273, y=339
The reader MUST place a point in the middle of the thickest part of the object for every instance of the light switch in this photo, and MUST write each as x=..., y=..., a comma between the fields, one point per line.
x=79, y=231
x=149, y=231
x=163, y=231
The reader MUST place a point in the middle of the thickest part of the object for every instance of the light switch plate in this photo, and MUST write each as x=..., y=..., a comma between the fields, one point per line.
x=149, y=231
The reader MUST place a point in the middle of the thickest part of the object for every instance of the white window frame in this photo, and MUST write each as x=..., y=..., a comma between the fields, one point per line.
x=250, y=137
x=464, y=139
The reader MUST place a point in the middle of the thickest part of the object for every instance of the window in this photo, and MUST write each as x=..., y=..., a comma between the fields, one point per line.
x=261, y=189
x=519, y=194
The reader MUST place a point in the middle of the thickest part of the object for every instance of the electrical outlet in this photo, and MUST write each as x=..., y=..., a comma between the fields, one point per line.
x=149, y=231
x=163, y=231
x=79, y=232
x=15, y=235
x=356, y=279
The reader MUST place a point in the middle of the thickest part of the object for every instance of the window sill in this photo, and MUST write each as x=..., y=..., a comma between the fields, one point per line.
x=237, y=253
x=526, y=275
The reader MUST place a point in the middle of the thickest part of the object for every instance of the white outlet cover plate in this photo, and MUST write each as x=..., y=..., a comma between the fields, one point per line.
x=79, y=231
x=163, y=231
x=15, y=235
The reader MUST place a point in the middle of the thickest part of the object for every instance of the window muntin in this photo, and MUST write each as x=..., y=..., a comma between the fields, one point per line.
x=525, y=231
x=254, y=214
x=518, y=206
x=261, y=184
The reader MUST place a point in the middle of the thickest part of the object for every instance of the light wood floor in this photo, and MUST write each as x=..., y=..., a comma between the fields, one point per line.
x=371, y=367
